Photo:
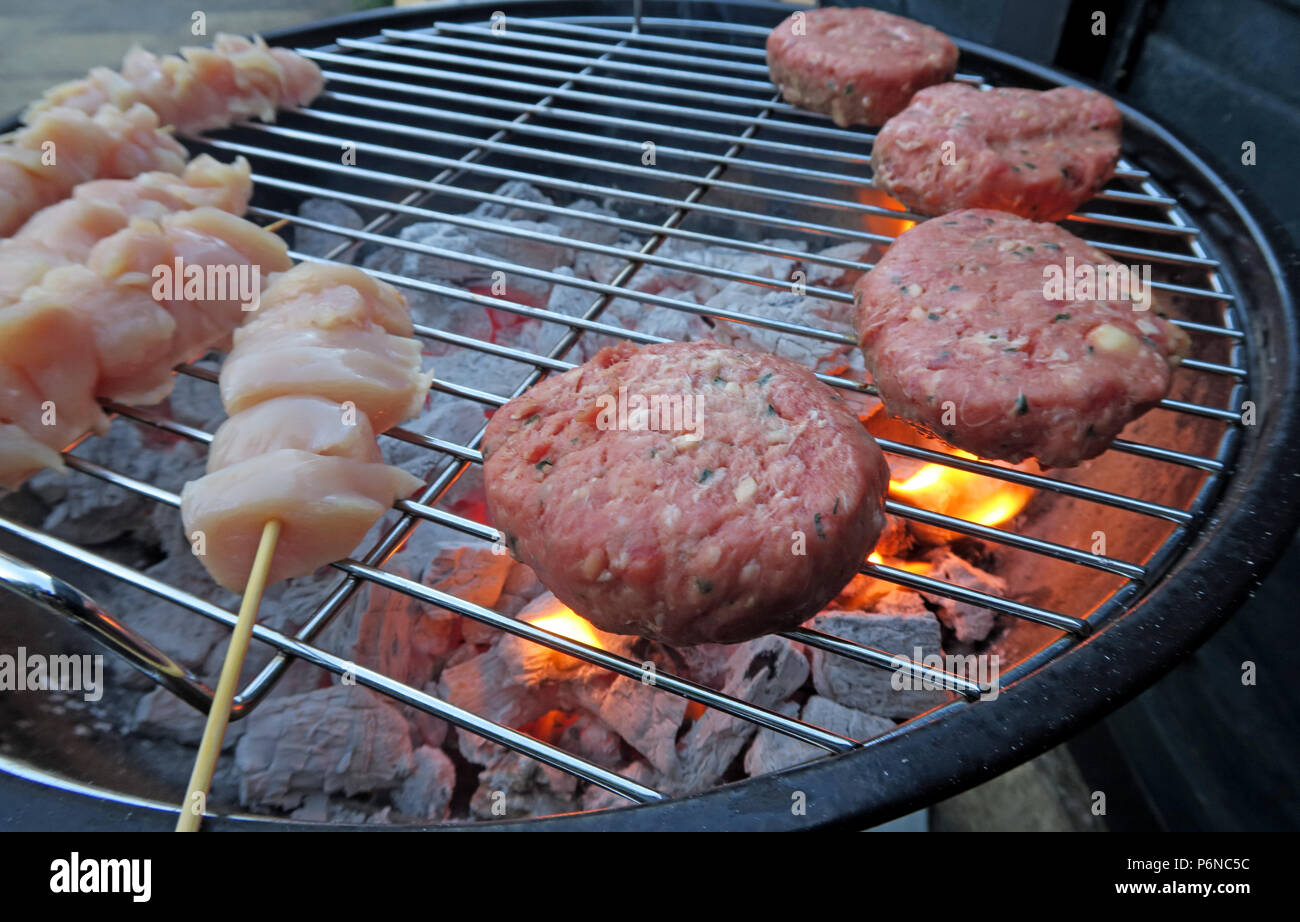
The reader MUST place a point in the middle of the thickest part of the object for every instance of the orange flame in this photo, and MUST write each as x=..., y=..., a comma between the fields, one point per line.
x=911, y=566
x=566, y=622
x=879, y=224
x=961, y=494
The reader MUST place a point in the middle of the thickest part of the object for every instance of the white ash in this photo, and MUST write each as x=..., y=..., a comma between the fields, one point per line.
x=315, y=242
x=590, y=739
x=520, y=588
x=514, y=785
x=647, y=718
x=427, y=730
x=334, y=810
x=707, y=663
x=778, y=268
x=162, y=715
x=604, y=267
x=842, y=279
x=772, y=751
x=968, y=623
x=447, y=418
x=383, y=636
x=517, y=681
x=540, y=338
x=185, y=636
x=315, y=809
x=782, y=307
x=342, y=739
x=488, y=685
x=426, y=792
x=598, y=798
x=475, y=749
x=87, y=510
x=411, y=640
x=474, y=575
x=764, y=672
x=900, y=624
x=516, y=246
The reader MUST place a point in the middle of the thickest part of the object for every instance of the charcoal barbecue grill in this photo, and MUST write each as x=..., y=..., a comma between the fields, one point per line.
x=443, y=104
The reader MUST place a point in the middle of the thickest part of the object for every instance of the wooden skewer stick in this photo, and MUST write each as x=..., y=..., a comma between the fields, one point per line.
x=276, y=225
x=214, y=731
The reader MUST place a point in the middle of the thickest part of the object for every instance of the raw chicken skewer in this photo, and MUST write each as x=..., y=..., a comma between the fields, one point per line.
x=202, y=88
x=308, y=383
x=63, y=147
x=103, y=333
x=241, y=255
x=64, y=233
x=100, y=207
x=295, y=477
x=47, y=387
x=108, y=124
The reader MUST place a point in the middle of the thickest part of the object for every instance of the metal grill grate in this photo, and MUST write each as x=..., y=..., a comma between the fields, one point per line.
x=700, y=90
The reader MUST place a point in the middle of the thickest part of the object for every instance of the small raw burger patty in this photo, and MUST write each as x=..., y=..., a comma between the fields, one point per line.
x=1035, y=154
x=857, y=66
x=747, y=518
x=961, y=336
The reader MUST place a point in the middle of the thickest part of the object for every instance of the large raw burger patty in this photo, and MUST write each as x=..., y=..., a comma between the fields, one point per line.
x=961, y=336
x=857, y=66
x=1035, y=154
x=749, y=522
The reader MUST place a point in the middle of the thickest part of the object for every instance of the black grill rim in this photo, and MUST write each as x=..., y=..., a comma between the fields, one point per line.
x=1253, y=521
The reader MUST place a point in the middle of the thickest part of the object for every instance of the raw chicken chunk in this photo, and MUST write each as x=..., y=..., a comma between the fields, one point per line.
x=311, y=424
x=63, y=147
x=47, y=388
x=333, y=332
x=325, y=506
x=102, y=207
x=132, y=332
x=203, y=237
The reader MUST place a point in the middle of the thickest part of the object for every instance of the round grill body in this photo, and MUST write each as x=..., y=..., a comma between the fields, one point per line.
x=567, y=97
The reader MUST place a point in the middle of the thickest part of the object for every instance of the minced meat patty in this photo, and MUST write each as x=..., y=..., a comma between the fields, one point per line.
x=1035, y=154
x=961, y=336
x=744, y=517
x=858, y=66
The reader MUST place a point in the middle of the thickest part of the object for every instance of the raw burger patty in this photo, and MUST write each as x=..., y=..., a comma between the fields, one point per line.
x=858, y=66
x=1035, y=154
x=957, y=311
x=687, y=536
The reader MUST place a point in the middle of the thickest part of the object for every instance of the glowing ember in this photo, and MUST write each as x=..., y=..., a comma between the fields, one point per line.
x=550, y=726
x=961, y=494
x=504, y=320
